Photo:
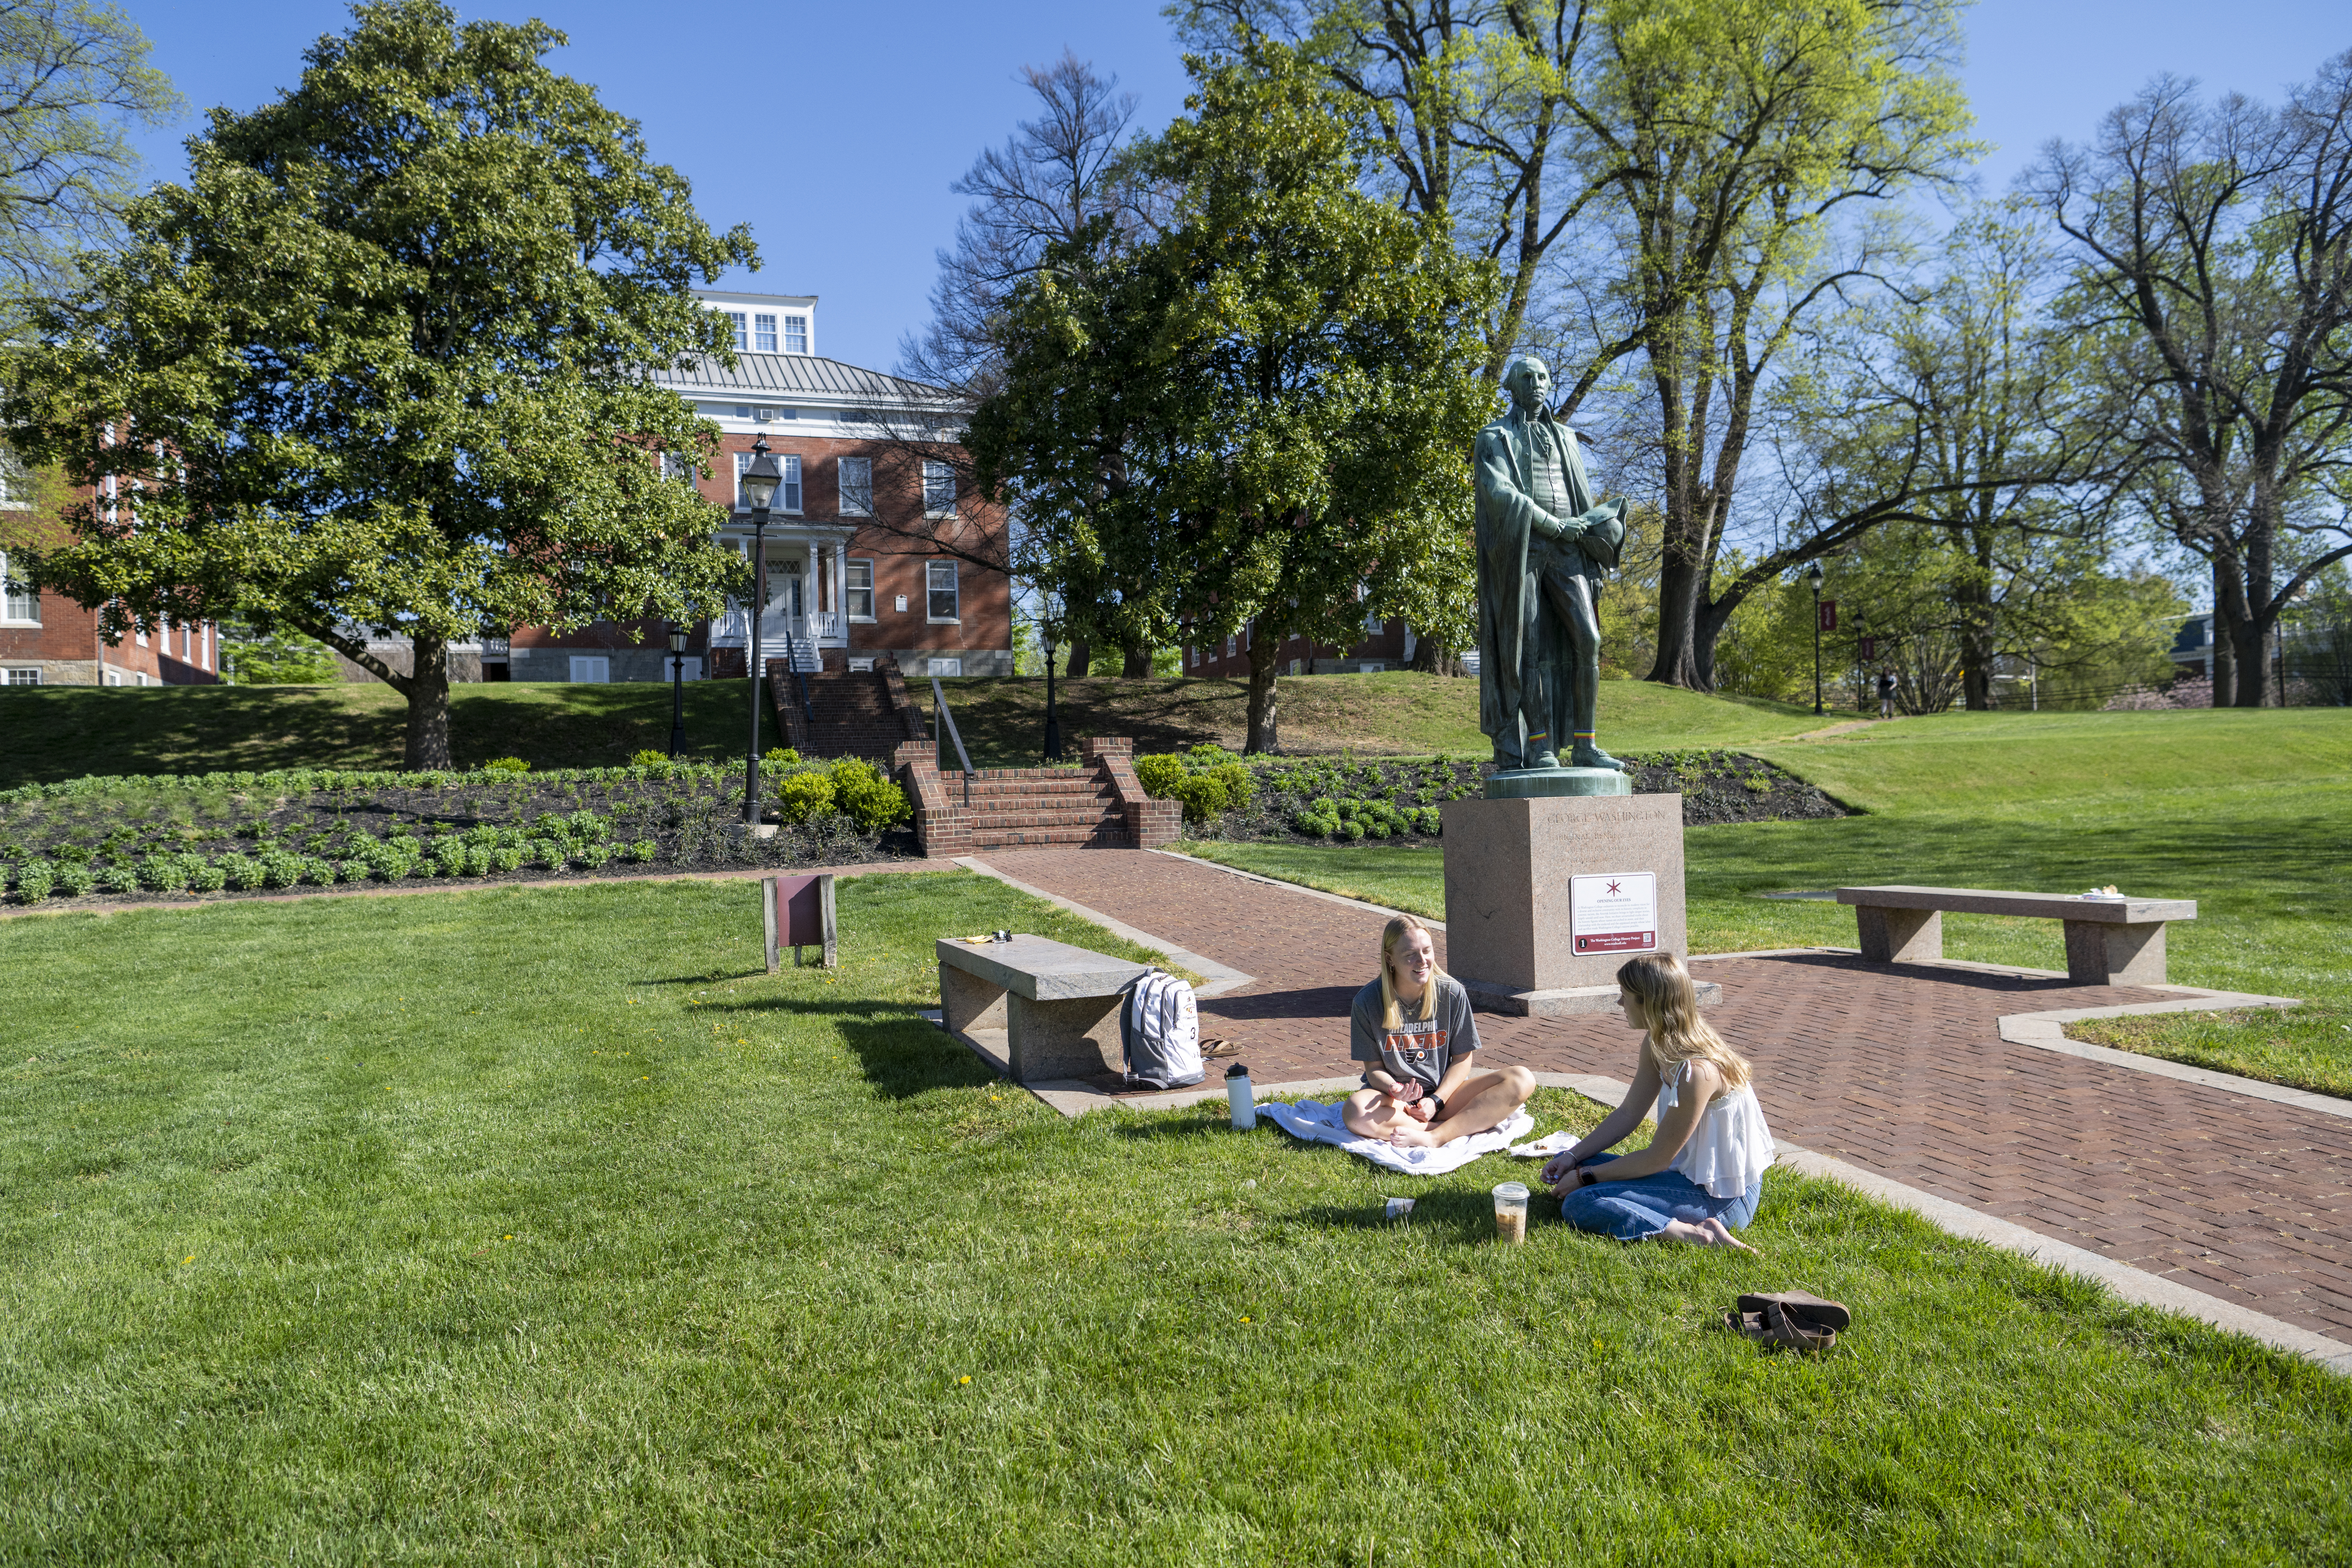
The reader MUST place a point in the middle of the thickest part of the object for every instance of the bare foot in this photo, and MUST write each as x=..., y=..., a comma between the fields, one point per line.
x=1705, y=1233
x=1411, y=1138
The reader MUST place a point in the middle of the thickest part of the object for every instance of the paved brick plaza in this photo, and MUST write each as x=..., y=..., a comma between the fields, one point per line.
x=1901, y=1070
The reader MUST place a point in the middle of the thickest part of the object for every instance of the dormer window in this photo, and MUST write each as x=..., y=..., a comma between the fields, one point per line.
x=796, y=335
x=743, y=338
x=763, y=333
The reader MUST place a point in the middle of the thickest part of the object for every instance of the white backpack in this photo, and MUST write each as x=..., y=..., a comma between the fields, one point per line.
x=1159, y=1027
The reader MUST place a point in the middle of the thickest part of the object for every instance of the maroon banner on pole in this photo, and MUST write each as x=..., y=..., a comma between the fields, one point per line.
x=1868, y=650
x=1828, y=615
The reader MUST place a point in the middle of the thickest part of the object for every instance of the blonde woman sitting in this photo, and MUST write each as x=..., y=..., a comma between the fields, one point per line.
x=1414, y=1025
x=1699, y=1179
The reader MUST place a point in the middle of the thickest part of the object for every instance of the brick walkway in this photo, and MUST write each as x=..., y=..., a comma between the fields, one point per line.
x=1900, y=1070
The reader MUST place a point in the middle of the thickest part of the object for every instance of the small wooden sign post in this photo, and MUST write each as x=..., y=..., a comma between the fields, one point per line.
x=798, y=912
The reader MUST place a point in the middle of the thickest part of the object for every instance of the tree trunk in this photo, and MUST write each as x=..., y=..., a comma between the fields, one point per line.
x=1682, y=598
x=2225, y=662
x=1082, y=658
x=1430, y=658
x=1137, y=662
x=428, y=703
x=1263, y=736
x=1973, y=597
x=2253, y=668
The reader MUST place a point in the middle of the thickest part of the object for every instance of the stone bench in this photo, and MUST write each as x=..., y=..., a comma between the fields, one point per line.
x=1053, y=1008
x=2109, y=942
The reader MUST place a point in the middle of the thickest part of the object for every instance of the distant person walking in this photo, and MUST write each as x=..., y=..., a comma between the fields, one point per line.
x=1886, y=694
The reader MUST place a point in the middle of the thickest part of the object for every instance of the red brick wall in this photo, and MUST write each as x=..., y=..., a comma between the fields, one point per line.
x=67, y=644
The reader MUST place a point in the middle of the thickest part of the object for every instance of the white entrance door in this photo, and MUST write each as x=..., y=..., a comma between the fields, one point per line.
x=587, y=669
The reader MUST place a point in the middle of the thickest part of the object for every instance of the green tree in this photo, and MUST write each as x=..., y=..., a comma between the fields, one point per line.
x=1262, y=416
x=379, y=364
x=2212, y=247
x=279, y=658
x=72, y=74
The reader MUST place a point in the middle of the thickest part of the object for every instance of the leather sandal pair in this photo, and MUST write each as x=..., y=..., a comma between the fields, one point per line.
x=1790, y=1319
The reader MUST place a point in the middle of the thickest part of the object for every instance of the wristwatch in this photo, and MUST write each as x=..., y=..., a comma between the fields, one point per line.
x=1437, y=1100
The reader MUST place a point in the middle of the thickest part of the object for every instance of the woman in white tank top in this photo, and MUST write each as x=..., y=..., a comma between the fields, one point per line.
x=1701, y=1177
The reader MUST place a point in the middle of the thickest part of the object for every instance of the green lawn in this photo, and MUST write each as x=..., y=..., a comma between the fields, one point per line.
x=537, y=1227
x=1002, y=721
x=65, y=731
x=2267, y=857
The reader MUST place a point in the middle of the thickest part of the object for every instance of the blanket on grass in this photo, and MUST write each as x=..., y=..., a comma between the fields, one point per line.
x=1320, y=1123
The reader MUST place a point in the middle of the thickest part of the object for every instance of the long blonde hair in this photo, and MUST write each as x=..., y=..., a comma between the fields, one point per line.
x=1391, y=1015
x=1677, y=1033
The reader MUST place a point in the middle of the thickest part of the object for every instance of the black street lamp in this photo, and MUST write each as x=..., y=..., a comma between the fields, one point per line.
x=1813, y=576
x=677, y=689
x=760, y=481
x=1045, y=628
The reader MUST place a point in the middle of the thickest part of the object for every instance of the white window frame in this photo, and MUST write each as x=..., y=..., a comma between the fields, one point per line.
x=788, y=494
x=954, y=590
x=796, y=333
x=854, y=499
x=852, y=588
x=591, y=669
x=1233, y=645
x=743, y=330
x=763, y=333
x=16, y=675
x=945, y=667
x=20, y=603
x=16, y=483
x=935, y=472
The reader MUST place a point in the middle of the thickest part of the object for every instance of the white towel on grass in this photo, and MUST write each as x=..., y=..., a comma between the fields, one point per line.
x=1550, y=1143
x=1320, y=1123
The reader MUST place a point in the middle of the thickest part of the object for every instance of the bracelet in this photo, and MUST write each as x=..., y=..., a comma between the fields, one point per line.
x=1439, y=1102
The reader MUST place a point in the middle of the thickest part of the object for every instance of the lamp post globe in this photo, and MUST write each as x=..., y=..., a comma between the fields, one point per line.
x=759, y=492
x=677, y=689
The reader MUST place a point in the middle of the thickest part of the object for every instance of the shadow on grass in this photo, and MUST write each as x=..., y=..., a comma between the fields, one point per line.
x=1457, y=1217
x=907, y=1056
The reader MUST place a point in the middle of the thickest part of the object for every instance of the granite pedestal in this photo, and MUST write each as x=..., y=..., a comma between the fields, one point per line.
x=1510, y=930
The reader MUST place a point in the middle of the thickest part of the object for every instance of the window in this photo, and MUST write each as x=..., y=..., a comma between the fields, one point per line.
x=590, y=669
x=861, y=666
x=742, y=339
x=857, y=487
x=24, y=678
x=1374, y=625
x=763, y=333
x=15, y=482
x=743, y=411
x=1370, y=667
x=797, y=334
x=677, y=466
x=940, y=576
x=938, y=489
x=945, y=667
x=788, y=494
x=20, y=603
x=858, y=590
x=1231, y=643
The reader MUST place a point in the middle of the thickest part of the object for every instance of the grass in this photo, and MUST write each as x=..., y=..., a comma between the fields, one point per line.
x=537, y=1227
x=62, y=731
x=2267, y=856
x=1002, y=720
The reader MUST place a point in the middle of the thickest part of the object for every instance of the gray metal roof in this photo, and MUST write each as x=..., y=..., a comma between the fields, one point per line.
x=797, y=376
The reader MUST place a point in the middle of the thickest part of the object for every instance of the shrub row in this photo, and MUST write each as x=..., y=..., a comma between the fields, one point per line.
x=296, y=781
x=386, y=860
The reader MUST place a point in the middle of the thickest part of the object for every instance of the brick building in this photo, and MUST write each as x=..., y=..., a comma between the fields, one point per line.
x=47, y=639
x=843, y=588
x=1386, y=644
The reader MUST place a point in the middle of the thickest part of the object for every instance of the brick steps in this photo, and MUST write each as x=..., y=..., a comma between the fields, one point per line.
x=1097, y=805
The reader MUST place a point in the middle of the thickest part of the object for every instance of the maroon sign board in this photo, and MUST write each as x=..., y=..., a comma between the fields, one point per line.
x=798, y=913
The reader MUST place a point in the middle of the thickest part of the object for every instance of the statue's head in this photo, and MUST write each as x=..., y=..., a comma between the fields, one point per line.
x=1529, y=381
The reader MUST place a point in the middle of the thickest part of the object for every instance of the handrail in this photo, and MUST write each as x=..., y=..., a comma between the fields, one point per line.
x=800, y=682
x=940, y=696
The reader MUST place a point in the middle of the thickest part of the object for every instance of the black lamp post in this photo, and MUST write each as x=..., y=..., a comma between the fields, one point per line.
x=760, y=483
x=1045, y=628
x=1813, y=576
x=677, y=689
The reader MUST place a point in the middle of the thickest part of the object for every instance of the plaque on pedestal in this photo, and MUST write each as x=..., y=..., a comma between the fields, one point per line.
x=1547, y=895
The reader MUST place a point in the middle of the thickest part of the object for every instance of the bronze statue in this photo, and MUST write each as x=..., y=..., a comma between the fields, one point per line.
x=1543, y=547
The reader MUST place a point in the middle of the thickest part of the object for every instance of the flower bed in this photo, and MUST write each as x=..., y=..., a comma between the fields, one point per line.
x=241, y=832
x=1349, y=800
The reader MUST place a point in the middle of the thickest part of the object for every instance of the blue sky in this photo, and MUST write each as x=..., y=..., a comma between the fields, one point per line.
x=834, y=131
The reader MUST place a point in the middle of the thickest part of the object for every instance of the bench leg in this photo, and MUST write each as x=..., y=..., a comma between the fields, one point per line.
x=967, y=1003
x=2099, y=952
x=1063, y=1040
x=1899, y=936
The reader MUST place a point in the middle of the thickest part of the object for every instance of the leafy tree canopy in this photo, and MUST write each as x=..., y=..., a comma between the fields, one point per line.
x=380, y=364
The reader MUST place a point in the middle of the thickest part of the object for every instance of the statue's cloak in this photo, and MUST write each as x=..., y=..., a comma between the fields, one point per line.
x=1509, y=519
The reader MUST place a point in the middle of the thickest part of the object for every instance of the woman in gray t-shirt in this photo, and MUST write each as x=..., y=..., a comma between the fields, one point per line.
x=1412, y=1028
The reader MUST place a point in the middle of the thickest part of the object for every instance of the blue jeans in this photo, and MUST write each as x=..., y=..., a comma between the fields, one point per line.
x=1639, y=1209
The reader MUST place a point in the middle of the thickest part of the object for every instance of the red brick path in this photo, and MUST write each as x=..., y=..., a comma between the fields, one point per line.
x=1901, y=1070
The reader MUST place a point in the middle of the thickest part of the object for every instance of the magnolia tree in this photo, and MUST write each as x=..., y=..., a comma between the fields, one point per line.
x=378, y=368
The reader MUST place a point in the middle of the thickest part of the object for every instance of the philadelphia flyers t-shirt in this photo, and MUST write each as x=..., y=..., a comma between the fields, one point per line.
x=1416, y=1048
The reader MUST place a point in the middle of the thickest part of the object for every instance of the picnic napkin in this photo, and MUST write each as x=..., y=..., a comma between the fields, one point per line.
x=1317, y=1122
x=1545, y=1147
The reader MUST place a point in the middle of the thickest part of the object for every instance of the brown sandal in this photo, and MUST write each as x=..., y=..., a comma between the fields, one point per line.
x=1778, y=1328
x=1216, y=1048
x=1807, y=1308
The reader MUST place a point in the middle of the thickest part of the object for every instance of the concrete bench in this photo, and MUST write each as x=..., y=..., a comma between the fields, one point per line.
x=2109, y=942
x=1053, y=1008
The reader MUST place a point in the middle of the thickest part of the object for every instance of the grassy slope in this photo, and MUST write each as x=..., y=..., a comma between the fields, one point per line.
x=534, y=1227
x=2001, y=803
x=62, y=731
x=58, y=732
x=1002, y=721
